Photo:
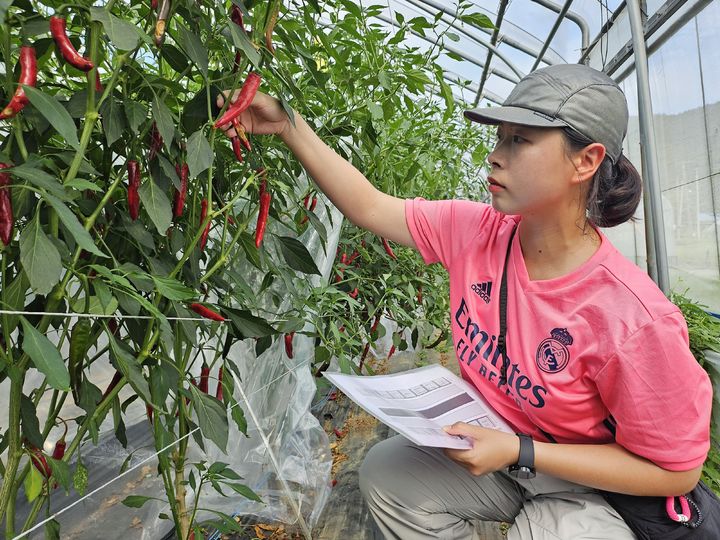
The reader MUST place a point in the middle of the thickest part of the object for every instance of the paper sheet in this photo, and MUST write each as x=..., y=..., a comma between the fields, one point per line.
x=419, y=402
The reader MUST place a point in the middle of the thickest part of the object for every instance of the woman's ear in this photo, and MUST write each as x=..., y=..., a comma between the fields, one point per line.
x=588, y=160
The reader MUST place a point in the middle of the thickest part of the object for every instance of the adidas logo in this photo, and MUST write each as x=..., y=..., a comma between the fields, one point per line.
x=483, y=290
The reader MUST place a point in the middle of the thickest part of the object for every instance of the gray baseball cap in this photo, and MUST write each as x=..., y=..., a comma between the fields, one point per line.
x=572, y=95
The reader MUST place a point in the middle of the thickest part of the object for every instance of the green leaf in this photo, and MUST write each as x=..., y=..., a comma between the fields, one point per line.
x=55, y=113
x=199, y=153
x=241, y=41
x=52, y=530
x=135, y=114
x=248, y=325
x=40, y=178
x=33, y=484
x=376, y=111
x=15, y=299
x=82, y=237
x=113, y=120
x=136, y=501
x=194, y=48
x=173, y=289
x=61, y=472
x=477, y=19
x=164, y=121
x=97, y=307
x=131, y=370
x=297, y=256
x=124, y=35
x=157, y=205
x=238, y=415
x=243, y=490
x=45, y=356
x=82, y=185
x=30, y=423
x=40, y=258
x=212, y=417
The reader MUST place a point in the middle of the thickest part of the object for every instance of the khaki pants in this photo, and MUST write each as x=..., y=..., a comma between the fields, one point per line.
x=417, y=492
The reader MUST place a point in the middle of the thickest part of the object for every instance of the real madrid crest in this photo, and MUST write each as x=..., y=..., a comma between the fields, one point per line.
x=552, y=354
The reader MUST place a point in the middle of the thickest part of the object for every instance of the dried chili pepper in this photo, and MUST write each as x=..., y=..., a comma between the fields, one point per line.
x=240, y=130
x=68, y=51
x=181, y=194
x=247, y=93
x=7, y=220
x=388, y=249
x=272, y=21
x=133, y=197
x=219, y=389
x=161, y=24
x=28, y=76
x=265, y=200
x=156, y=142
x=206, y=231
x=204, y=378
x=289, y=344
x=206, y=312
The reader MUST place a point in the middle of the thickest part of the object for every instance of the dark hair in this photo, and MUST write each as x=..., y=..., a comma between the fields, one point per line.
x=615, y=189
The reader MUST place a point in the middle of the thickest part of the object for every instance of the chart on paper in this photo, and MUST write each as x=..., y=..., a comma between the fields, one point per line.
x=419, y=402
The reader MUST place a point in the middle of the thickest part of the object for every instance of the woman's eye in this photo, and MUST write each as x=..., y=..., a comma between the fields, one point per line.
x=517, y=139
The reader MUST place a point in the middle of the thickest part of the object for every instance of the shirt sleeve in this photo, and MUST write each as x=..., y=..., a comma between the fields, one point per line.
x=659, y=396
x=441, y=229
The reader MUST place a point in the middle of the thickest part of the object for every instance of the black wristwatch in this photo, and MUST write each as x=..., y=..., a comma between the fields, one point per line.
x=525, y=467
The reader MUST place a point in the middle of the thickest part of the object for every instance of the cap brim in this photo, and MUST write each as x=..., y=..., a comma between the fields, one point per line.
x=512, y=115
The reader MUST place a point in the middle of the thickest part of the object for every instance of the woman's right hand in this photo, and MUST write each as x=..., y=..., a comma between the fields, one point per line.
x=265, y=116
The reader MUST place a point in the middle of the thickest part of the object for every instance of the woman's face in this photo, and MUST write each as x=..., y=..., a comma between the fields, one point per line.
x=531, y=174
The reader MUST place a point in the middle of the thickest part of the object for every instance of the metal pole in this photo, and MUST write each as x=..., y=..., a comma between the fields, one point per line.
x=493, y=40
x=574, y=17
x=552, y=33
x=647, y=147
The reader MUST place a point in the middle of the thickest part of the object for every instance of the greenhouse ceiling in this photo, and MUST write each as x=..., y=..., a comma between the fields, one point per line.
x=485, y=63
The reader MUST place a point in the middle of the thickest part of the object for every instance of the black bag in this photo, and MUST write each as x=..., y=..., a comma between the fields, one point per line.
x=650, y=517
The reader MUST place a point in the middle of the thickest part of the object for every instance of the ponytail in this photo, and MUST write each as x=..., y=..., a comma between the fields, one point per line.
x=615, y=190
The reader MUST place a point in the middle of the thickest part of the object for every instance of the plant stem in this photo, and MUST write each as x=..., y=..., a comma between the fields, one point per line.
x=14, y=442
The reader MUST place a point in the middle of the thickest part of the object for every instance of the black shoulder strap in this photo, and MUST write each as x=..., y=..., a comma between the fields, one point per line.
x=503, y=312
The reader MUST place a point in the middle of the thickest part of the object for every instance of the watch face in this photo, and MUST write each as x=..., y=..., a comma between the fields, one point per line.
x=522, y=473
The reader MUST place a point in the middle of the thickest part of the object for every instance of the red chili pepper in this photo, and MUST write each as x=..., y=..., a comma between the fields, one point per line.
x=339, y=434
x=354, y=256
x=265, y=200
x=156, y=142
x=181, y=194
x=332, y=396
x=149, y=412
x=7, y=220
x=68, y=51
x=206, y=312
x=362, y=357
x=419, y=295
x=206, y=231
x=392, y=351
x=247, y=93
x=40, y=461
x=59, y=450
x=236, y=61
x=219, y=390
x=309, y=206
x=375, y=324
x=355, y=293
x=344, y=258
x=313, y=204
x=237, y=149
x=289, y=344
x=306, y=201
x=113, y=383
x=133, y=197
x=236, y=16
x=98, y=84
x=388, y=249
x=333, y=483
x=28, y=76
x=153, y=4
x=204, y=378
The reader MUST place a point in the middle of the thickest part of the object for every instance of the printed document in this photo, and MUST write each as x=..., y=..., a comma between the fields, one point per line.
x=419, y=402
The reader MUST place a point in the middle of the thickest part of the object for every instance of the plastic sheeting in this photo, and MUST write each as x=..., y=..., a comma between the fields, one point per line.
x=285, y=459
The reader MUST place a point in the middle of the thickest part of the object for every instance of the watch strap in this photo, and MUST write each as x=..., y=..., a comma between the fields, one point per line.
x=526, y=458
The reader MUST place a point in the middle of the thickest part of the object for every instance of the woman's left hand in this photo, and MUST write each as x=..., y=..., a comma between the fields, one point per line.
x=491, y=451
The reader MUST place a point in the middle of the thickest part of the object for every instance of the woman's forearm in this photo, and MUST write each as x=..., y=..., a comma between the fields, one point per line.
x=612, y=468
x=346, y=187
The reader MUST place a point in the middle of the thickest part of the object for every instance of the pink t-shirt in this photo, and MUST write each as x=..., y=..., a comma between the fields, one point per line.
x=597, y=351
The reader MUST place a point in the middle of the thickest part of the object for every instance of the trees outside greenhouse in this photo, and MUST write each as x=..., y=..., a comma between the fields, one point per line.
x=170, y=297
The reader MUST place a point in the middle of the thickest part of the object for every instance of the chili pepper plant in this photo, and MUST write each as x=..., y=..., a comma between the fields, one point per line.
x=122, y=208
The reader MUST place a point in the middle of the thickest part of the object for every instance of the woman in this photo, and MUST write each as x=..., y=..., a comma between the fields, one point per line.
x=598, y=379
